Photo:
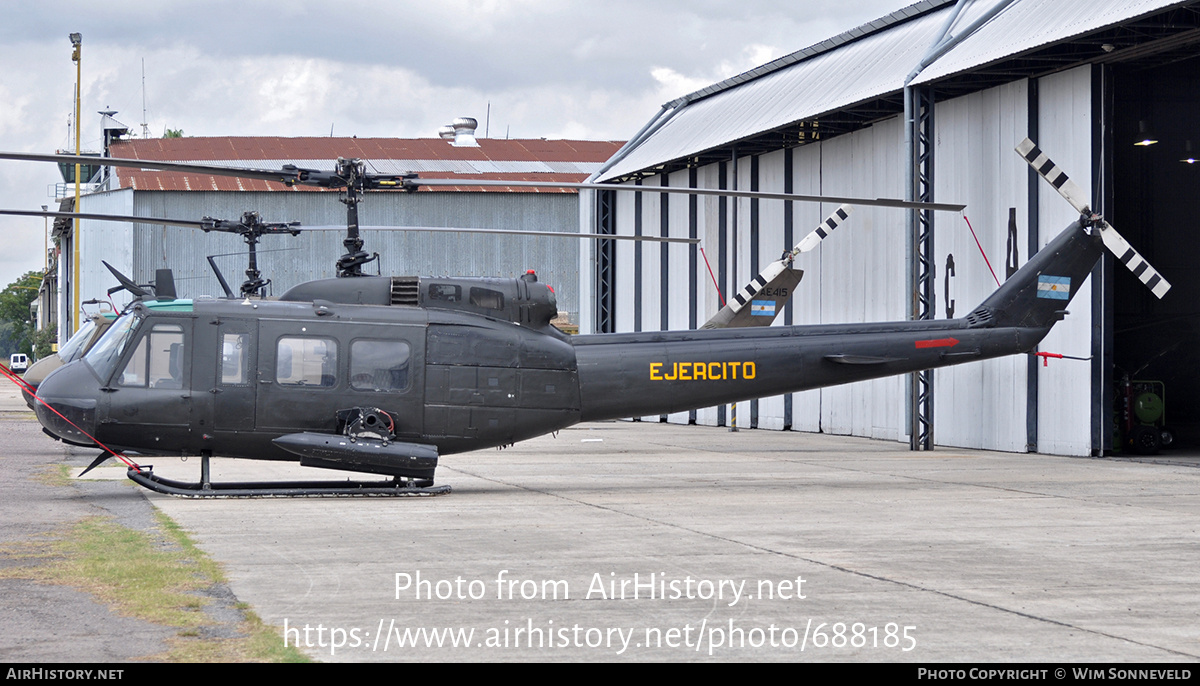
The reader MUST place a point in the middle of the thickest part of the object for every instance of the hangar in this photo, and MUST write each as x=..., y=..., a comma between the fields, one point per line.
x=945, y=89
x=139, y=249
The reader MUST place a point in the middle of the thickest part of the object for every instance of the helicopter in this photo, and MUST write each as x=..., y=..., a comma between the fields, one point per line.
x=385, y=375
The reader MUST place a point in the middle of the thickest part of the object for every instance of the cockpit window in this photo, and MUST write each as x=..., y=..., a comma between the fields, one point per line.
x=72, y=349
x=158, y=359
x=104, y=356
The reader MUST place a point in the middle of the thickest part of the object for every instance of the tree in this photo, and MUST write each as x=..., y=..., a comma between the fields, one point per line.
x=173, y=133
x=44, y=340
x=16, y=324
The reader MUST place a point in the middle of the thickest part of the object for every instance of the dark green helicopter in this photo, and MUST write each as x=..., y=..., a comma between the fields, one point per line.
x=384, y=375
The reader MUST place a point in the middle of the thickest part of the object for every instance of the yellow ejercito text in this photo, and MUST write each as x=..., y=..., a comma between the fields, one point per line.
x=702, y=371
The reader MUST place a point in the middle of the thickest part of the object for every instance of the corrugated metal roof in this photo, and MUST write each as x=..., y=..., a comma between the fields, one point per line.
x=1028, y=24
x=280, y=148
x=811, y=51
x=174, y=181
x=855, y=71
x=862, y=65
x=527, y=160
x=399, y=166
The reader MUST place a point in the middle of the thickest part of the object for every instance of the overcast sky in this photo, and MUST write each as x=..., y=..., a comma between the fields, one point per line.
x=549, y=68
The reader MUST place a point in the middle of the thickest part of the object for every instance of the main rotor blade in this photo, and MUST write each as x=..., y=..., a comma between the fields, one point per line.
x=519, y=232
x=1075, y=195
x=105, y=217
x=323, y=178
x=876, y=202
x=337, y=227
x=280, y=176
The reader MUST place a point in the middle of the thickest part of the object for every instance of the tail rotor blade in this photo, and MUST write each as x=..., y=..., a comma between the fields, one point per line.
x=777, y=267
x=757, y=284
x=1053, y=175
x=1113, y=240
x=1133, y=260
x=818, y=234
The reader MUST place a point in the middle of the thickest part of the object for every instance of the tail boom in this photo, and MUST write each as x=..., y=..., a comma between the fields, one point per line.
x=636, y=374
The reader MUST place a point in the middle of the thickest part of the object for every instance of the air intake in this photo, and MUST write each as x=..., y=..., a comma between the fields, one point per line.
x=405, y=290
x=980, y=318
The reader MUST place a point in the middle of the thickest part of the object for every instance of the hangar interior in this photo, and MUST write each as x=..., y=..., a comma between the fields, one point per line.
x=1078, y=77
x=1156, y=205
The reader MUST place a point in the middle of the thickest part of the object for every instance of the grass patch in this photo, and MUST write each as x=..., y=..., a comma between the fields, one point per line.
x=160, y=580
x=55, y=475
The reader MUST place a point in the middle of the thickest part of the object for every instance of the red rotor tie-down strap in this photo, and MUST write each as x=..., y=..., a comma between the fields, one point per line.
x=714, y=278
x=25, y=386
x=981, y=252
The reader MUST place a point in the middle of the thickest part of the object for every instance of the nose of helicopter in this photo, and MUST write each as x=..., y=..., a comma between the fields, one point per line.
x=71, y=393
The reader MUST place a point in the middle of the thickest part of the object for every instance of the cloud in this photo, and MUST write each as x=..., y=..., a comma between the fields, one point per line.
x=548, y=68
x=673, y=84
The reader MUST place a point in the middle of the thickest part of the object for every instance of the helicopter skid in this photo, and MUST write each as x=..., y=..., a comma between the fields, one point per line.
x=284, y=489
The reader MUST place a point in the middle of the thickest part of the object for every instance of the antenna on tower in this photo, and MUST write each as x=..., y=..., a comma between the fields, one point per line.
x=145, y=127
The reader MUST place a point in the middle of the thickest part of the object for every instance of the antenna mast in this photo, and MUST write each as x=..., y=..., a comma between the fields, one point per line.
x=145, y=127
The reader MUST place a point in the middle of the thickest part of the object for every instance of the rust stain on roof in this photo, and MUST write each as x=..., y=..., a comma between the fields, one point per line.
x=249, y=149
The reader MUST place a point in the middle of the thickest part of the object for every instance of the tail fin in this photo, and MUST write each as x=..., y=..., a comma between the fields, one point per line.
x=766, y=302
x=1037, y=295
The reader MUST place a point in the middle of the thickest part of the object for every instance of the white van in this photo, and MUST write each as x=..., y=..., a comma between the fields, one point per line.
x=18, y=362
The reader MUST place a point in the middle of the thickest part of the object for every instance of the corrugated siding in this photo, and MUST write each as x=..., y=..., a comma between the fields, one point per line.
x=864, y=272
x=709, y=224
x=1065, y=390
x=111, y=242
x=770, y=247
x=586, y=281
x=739, y=276
x=652, y=284
x=626, y=252
x=807, y=301
x=862, y=265
x=289, y=260
x=858, y=274
x=678, y=288
x=981, y=405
